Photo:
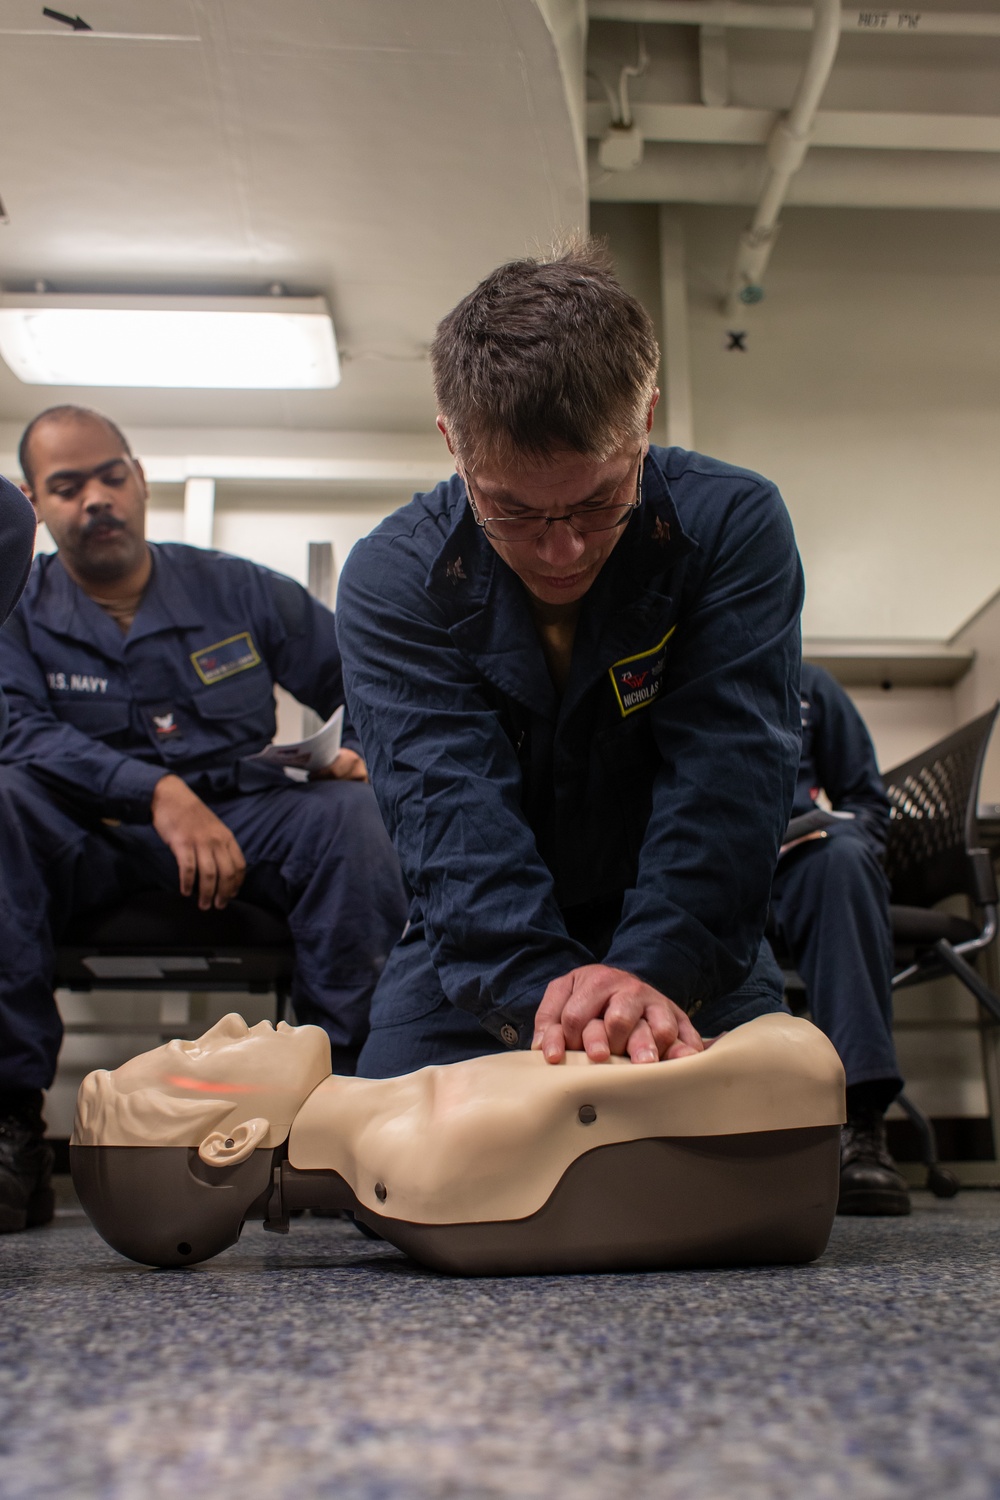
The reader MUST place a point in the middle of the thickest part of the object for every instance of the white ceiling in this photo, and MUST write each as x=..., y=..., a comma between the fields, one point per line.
x=884, y=88
x=385, y=153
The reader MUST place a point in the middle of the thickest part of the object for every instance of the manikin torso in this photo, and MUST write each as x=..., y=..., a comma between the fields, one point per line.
x=491, y=1137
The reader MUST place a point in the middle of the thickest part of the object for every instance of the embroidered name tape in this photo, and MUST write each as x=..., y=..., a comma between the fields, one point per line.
x=637, y=679
x=225, y=658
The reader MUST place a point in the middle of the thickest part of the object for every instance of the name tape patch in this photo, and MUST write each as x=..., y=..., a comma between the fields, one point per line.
x=236, y=654
x=637, y=679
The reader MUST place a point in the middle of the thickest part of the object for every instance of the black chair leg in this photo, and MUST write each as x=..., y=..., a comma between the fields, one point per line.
x=968, y=976
x=942, y=1183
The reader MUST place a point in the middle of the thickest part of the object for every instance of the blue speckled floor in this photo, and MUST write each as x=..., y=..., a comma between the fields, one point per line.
x=326, y=1365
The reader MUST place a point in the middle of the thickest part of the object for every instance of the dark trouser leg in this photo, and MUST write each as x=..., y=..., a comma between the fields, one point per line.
x=33, y=837
x=52, y=866
x=832, y=907
x=413, y=1024
x=56, y=864
x=42, y=848
x=319, y=854
x=831, y=904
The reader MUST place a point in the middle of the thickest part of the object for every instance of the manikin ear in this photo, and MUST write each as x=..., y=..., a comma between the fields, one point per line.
x=222, y=1149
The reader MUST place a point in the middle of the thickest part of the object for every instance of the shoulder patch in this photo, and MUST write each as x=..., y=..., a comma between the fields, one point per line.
x=237, y=653
x=637, y=679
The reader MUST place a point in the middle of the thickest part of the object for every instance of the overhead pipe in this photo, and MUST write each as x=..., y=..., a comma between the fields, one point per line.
x=871, y=130
x=786, y=151
x=684, y=173
x=736, y=14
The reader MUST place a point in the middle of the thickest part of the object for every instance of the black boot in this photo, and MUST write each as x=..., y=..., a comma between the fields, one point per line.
x=26, y=1196
x=869, y=1182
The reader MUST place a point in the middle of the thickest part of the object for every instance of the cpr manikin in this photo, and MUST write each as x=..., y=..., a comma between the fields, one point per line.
x=499, y=1165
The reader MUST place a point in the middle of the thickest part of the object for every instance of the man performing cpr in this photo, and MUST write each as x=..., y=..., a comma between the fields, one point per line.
x=574, y=668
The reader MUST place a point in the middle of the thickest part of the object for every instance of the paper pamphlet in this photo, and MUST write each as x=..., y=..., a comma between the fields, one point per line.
x=315, y=753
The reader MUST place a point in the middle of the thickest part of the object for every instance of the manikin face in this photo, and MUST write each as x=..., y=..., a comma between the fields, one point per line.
x=267, y=1071
x=234, y=1090
x=561, y=565
x=92, y=497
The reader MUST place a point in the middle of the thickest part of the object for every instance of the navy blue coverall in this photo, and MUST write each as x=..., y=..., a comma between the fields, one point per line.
x=97, y=717
x=635, y=820
x=830, y=896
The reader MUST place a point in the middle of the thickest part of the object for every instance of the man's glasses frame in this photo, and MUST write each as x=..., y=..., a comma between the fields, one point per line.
x=531, y=528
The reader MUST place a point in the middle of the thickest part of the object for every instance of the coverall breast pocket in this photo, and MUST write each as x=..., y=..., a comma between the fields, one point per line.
x=238, y=711
x=99, y=718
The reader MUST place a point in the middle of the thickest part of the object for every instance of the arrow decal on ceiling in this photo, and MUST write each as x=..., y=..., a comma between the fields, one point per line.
x=77, y=22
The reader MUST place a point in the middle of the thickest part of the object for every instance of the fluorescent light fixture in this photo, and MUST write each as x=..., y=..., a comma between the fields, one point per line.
x=194, y=343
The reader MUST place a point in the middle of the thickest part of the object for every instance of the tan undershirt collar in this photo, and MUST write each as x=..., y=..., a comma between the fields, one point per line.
x=556, y=626
x=122, y=608
x=122, y=611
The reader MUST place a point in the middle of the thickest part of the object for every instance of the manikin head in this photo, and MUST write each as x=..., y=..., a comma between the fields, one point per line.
x=81, y=477
x=170, y=1150
x=545, y=378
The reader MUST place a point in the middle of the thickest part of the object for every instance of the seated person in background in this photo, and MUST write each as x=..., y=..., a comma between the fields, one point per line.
x=574, y=667
x=830, y=900
x=17, y=543
x=140, y=679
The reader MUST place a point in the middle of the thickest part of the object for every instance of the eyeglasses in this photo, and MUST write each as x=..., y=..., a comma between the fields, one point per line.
x=530, y=528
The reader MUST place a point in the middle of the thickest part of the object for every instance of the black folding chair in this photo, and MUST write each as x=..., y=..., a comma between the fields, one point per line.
x=159, y=940
x=934, y=851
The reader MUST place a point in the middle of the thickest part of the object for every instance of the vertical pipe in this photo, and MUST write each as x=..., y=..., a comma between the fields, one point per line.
x=786, y=151
x=199, y=512
x=676, y=343
x=322, y=573
x=322, y=584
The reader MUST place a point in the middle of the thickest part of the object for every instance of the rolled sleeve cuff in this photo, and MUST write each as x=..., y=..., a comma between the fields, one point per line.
x=513, y=1024
x=667, y=967
x=131, y=788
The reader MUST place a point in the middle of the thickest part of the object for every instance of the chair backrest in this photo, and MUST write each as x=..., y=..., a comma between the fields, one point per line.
x=934, y=798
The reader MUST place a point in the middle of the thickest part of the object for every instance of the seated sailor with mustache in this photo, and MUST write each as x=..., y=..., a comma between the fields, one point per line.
x=140, y=680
